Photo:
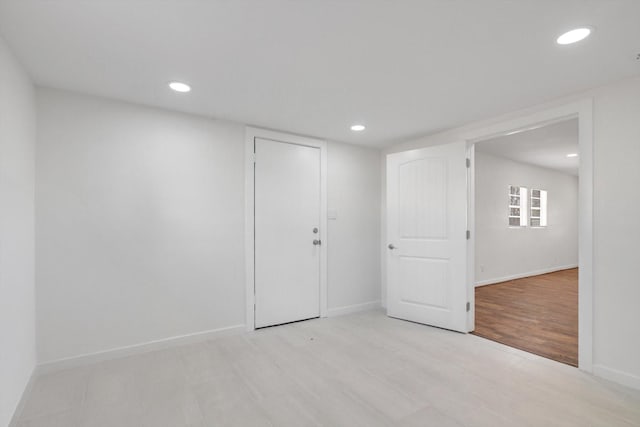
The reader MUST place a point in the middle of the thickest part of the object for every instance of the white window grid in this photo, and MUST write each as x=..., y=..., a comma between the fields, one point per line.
x=538, y=208
x=517, y=215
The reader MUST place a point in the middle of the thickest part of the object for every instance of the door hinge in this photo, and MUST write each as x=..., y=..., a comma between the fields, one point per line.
x=468, y=162
x=468, y=306
x=468, y=234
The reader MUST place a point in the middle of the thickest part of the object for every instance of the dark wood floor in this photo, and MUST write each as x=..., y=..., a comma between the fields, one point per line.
x=538, y=314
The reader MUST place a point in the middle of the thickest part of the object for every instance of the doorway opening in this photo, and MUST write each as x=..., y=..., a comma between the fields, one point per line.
x=526, y=239
x=422, y=280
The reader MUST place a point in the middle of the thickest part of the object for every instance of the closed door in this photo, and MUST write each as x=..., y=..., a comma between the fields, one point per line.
x=287, y=235
x=426, y=254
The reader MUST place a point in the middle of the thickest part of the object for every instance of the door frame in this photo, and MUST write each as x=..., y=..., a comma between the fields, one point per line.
x=583, y=111
x=251, y=133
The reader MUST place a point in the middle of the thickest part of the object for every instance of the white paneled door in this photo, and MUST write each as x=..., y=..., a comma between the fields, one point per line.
x=426, y=236
x=287, y=238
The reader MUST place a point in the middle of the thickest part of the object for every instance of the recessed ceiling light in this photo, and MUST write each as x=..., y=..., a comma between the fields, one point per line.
x=180, y=87
x=357, y=128
x=572, y=155
x=574, y=35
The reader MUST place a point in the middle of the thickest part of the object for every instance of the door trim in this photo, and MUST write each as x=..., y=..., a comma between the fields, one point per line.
x=583, y=111
x=251, y=133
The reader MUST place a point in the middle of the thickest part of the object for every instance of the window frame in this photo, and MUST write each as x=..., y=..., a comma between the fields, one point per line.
x=523, y=199
x=542, y=208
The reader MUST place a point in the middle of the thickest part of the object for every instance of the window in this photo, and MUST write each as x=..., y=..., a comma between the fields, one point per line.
x=527, y=210
x=517, y=206
x=538, y=215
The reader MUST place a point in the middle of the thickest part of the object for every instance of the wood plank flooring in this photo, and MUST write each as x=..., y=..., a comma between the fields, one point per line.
x=537, y=314
x=363, y=369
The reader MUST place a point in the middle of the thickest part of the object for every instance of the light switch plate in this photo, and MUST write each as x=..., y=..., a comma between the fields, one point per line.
x=332, y=214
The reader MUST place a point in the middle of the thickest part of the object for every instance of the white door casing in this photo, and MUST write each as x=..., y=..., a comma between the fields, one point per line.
x=582, y=109
x=427, y=223
x=287, y=229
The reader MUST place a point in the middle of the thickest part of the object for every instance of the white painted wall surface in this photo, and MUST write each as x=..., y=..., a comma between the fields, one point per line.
x=17, y=312
x=617, y=232
x=354, y=235
x=140, y=225
x=616, y=289
x=504, y=252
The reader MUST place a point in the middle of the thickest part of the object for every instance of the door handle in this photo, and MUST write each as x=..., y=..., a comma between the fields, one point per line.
x=317, y=242
x=391, y=246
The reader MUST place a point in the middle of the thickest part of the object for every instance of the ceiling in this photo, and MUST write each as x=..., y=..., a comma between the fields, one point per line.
x=546, y=147
x=403, y=68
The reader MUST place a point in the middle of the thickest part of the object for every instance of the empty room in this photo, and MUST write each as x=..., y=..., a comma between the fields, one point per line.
x=526, y=245
x=319, y=213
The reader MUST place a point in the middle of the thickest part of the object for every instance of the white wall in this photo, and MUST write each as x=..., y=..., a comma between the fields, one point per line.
x=140, y=225
x=504, y=252
x=616, y=289
x=617, y=231
x=17, y=314
x=354, y=235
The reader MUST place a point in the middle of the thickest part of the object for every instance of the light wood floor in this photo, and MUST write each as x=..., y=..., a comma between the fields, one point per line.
x=359, y=370
x=538, y=314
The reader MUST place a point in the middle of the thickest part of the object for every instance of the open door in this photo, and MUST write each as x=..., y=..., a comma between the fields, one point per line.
x=426, y=236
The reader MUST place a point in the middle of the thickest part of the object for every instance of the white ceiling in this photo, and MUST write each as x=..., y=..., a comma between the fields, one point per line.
x=315, y=67
x=546, y=147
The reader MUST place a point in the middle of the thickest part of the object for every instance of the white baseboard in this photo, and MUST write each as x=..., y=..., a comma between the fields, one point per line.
x=522, y=275
x=23, y=399
x=348, y=309
x=90, y=358
x=616, y=376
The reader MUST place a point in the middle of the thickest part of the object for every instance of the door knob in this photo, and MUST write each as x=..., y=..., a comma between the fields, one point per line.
x=317, y=242
x=391, y=246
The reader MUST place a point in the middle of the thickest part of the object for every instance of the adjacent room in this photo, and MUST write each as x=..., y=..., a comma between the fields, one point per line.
x=315, y=213
x=526, y=246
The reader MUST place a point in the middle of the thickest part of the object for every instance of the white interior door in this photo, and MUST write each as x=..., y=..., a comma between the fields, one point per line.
x=426, y=254
x=287, y=237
